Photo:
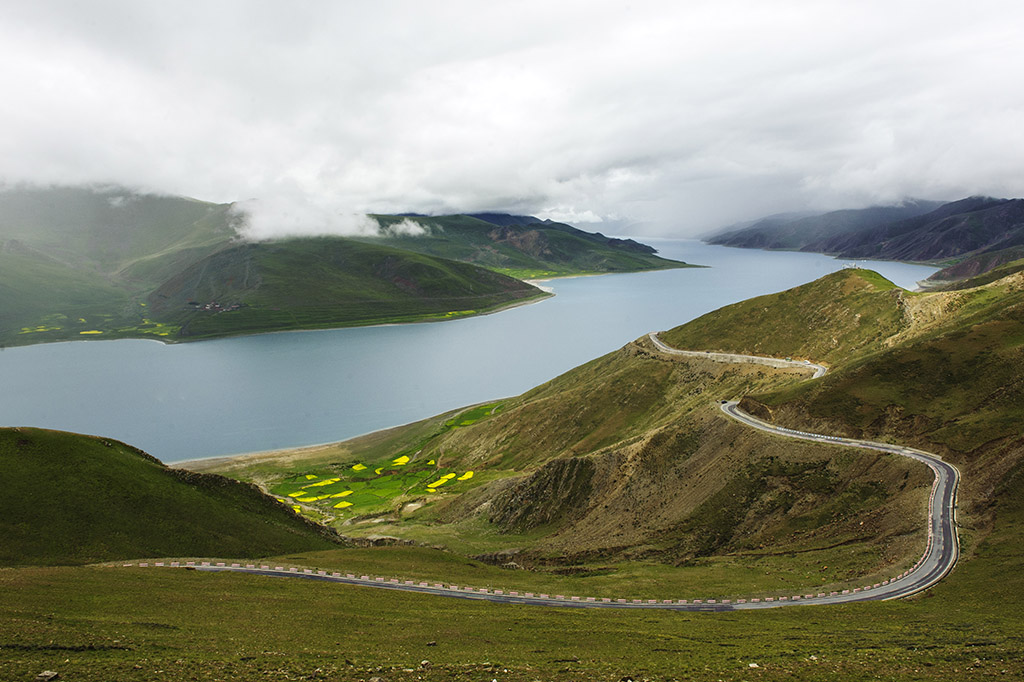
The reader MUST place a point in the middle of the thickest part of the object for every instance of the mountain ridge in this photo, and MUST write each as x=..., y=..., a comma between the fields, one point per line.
x=981, y=232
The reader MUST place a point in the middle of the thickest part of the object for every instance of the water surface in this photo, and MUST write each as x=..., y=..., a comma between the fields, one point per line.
x=210, y=398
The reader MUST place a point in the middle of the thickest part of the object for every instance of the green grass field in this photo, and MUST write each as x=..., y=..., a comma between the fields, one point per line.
x=341, y=490
x=79, y=499
x=142, y=624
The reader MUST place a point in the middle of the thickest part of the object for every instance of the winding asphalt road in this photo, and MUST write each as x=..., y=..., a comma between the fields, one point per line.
x=940, y=555
x=819, y=370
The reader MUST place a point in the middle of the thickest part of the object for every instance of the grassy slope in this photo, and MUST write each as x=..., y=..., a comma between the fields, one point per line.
x=140, y=624
x=955, y=386
x=325, y=282
x=79, y=260
x=71, y=499
x=36, y=291
x=533, y=250
x=950, y=380
x=569, y=476
x=939, y=370
x=826, y=320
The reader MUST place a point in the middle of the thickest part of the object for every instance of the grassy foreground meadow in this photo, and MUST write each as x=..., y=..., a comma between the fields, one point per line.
x=99, y=623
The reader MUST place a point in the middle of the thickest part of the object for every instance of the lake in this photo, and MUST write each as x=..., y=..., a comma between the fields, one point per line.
x=212, y=398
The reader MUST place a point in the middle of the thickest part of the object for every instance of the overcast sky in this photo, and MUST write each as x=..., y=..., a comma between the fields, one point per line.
x=655, y=117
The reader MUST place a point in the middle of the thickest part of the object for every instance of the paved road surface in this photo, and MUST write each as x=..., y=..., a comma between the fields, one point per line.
x=819, y=370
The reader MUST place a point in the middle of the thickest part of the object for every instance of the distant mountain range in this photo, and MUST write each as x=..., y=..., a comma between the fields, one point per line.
x=80, y=262
x=972, y=235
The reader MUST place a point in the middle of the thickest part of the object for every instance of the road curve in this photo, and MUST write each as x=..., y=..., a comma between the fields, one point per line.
x=819, y=370
x=943, y=547
x=940, y=555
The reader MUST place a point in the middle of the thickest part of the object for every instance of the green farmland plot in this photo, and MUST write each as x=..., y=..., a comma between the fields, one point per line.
x=375, y=481
x=364, y=489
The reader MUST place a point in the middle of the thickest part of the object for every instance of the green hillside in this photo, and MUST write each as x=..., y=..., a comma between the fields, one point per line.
x=41, y=295
x=107, y=262
x=843, y=313
x=109, y=229
x=526, y=248
x=323, y=282
x=71, y=499
x=77, y=261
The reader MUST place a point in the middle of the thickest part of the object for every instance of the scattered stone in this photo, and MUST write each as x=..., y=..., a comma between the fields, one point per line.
x=432, y=643
x=376, y=679
x=753, y=665
x=46, y=676
x=424, y=663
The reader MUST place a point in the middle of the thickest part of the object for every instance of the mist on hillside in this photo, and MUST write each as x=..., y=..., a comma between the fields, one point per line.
x=278, y=218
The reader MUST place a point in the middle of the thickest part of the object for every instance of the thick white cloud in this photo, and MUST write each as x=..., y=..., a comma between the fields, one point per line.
x=675, y=115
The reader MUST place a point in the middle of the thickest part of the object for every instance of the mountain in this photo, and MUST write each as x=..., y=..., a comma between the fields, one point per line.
x=977, y=234
x=977, y=270
x=966, y=227
x=803, y=233
x=520, y=246
x=323, y=282
x=111, y=231
x=72, y=499
x=504, y=219
x=107, y=262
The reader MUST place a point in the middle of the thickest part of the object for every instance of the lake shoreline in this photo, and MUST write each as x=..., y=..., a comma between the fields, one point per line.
x=277, y=391
x=528, y=300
